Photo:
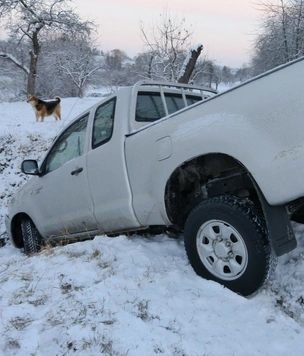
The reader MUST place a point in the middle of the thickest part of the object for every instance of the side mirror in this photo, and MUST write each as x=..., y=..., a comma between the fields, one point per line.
x=30, y=166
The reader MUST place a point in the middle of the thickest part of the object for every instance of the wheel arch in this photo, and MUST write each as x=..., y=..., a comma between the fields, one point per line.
x=204, y=177
x=217, y=174
x=16, y=232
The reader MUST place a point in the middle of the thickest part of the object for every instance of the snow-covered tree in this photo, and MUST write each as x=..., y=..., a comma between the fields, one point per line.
x=226, y=75
x=31, y=21
x=118, y=69
x=168, y=43
x=115, y=59
x=206, y=73
x=76, y=62
x=282, y=34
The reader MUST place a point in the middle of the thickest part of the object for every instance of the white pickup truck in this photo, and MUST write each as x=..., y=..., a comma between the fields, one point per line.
x=225, y=170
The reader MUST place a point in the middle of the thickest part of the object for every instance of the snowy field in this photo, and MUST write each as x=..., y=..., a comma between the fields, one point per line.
x=128, y=296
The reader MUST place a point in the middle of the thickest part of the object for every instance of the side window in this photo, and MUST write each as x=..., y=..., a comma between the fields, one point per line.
x=149, y=107
x=68, y=146
x=174, y=102
x=193, y=99
x=103, y=123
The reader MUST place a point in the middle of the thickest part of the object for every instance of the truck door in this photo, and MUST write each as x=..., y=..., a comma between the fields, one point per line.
x=107, y=174
x=63, y=198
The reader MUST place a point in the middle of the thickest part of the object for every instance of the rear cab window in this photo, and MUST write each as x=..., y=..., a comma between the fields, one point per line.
x=174, y=102
x=150, y=106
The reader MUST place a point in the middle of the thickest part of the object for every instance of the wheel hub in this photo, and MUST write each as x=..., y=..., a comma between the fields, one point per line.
x=222, y=249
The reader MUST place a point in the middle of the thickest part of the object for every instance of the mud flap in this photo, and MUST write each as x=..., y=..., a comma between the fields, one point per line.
x=280, y=231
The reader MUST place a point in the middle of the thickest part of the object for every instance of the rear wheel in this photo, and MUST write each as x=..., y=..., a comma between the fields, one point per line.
x=226, y=241
x=31, y=237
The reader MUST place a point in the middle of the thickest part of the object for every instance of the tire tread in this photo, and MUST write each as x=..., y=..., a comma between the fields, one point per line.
x=31, y=237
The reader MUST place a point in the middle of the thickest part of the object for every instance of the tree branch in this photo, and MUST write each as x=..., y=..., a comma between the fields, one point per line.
x=15, y=61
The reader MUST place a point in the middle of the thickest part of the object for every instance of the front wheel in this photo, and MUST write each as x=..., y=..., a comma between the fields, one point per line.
x=31, y=237
x=226, y=241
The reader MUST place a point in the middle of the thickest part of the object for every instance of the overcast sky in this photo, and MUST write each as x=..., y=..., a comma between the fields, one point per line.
x=226, y=28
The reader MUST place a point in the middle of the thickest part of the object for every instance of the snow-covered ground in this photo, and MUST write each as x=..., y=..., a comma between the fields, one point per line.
x=128, y=296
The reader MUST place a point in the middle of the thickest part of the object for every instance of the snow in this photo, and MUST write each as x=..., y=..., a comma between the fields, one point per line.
x=128, y=295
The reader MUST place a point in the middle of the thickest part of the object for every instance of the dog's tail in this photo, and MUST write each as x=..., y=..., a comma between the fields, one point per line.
x=58, y=98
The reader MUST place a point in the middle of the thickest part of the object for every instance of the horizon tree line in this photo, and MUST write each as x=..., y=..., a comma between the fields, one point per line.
x=50, y=50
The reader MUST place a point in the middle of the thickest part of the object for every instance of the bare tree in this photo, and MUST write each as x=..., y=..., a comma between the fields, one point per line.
x=167, y=45
x=114, y=59
x=77, y=63
x=282, y=34
x=297, y=18
x=30, y=21
x=243, y=73
x=226, y=75
x=12, y=78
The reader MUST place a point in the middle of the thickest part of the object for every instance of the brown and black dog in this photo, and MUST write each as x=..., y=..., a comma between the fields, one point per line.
x=45, y=108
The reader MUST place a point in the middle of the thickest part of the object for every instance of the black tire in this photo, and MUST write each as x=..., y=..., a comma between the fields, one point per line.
x=226, y=241
x=31, y=237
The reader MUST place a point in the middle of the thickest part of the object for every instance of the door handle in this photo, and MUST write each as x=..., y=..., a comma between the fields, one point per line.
x=77, y=171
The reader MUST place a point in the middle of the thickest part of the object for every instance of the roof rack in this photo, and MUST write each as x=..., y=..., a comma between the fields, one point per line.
x=168, y=84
